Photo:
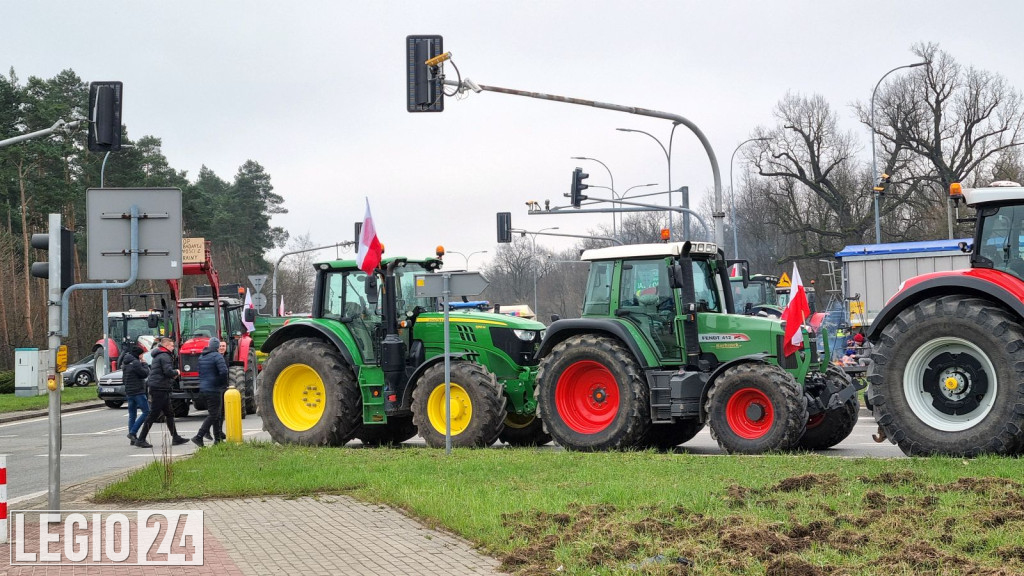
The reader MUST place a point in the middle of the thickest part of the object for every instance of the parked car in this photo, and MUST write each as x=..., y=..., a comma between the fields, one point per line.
x=80, y=373
x=110, y=389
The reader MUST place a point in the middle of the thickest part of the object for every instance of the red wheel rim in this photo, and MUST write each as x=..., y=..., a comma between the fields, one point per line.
x=587, y=397
x=749, y=413
x=815, y=421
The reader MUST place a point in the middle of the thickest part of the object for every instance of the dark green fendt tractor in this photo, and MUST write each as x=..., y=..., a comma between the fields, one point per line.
x=369, y=364
x=658, y=354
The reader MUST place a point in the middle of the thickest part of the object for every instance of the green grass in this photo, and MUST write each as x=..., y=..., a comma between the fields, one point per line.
x=609, y=513
x=12, y=403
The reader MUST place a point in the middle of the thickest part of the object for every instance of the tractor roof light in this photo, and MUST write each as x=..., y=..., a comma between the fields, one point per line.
x=439, y=251
x=955, y=189
x=665, y=234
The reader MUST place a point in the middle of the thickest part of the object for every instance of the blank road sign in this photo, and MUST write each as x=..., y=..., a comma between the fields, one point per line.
x=459, y=284
x=109, y=232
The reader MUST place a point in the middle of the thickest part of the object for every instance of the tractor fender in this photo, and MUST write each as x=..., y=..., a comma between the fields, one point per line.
x=968, y=286
x=244, y=344
x=407, y=394
x=563, y=329
x=752, y=358
x=303, y=330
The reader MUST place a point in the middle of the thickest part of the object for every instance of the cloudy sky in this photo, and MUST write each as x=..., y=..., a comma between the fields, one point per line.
x=315, y=92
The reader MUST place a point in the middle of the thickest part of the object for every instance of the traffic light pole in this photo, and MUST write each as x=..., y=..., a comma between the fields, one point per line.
x=640, y=208
x=53, y=309
x=57, y=126
x=719, y=214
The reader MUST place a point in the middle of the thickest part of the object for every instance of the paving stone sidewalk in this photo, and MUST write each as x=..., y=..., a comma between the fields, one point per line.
x=326, y=535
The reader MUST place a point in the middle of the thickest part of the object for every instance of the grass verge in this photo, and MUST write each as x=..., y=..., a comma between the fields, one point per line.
x=12, y=403
x=542, y=511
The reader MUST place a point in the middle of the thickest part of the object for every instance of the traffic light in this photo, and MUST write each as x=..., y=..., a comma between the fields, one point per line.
x=423, y=89
x=41, y=269
x=883, y=183
x=504, y=227
x=575, y=193
x=105, y=116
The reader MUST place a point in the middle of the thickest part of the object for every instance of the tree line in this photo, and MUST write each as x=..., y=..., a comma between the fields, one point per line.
x=51, y=175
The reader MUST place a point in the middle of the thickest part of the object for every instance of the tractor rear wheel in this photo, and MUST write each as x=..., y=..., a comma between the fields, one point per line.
x=947, y=378
x=755, y=408
x=249, y=393
x=592, y=395
x=477, y=406
x=667, y=436
x=308, y=395
x=524, y=430
x=398, y=429
x=831, y=427
x=180, y=406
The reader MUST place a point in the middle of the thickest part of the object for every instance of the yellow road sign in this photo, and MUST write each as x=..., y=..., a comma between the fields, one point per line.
x=784, y=281
x=62, y=359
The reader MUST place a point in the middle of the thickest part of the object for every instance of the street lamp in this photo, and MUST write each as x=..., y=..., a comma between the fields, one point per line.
x=533, y=235
x=466, y=258
x=668, y=158
x=874, y=168
x=611, y=178
x=732, y=198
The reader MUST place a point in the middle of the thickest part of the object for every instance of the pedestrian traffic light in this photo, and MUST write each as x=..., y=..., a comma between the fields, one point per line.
x=504, y=227
x=883, y=183
x=424, y=91
x=66, y=247
x=575, y=193
x=105, y=116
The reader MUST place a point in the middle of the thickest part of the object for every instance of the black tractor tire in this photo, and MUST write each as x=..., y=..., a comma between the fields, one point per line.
x=664, y=437
x=249, y=404
x=524, y=430
x=114, y=403
x=397, y=430
x=482, y=399
x=236, y=379
x=199, y=403
x=592, y=395
x=948, y=378
x=180, y=406
x=755, y=408
x=831, y=427
x=317, y=363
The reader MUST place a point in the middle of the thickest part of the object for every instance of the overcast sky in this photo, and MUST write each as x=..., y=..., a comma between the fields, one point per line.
x=315, y=92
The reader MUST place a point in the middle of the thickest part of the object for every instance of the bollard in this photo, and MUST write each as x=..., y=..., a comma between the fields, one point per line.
x=3, y=498
x=233, y=415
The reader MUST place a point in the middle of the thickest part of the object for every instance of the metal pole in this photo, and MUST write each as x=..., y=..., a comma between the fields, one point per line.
x=273, y=288
x=686, y=215
x=58, y=125
x=874, y=168
x=668, y=158
x=54, y=316
x=445, y=297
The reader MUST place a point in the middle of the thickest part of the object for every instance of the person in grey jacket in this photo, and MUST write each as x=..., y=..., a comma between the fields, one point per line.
x=213, y=381
x=134, y=372
x=161, y=379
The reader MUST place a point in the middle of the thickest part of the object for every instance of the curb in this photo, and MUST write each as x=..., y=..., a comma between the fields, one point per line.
x=26, y=414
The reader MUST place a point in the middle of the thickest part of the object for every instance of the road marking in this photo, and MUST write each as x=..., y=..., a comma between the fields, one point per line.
x=41, y=418
x=8, y=435
x=63, y=455
x=100, y=433
x=27, y=496
x=158, y=456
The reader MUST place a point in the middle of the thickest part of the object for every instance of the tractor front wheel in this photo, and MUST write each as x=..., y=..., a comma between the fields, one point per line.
x=524, y=430
x=308, y=395
x=831, y=427
x=236, y=380
x=477, y=406
x=947, y=376
x=755, y=408
x=592, y=395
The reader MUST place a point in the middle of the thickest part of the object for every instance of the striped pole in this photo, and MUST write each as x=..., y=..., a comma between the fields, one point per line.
x=3, y=498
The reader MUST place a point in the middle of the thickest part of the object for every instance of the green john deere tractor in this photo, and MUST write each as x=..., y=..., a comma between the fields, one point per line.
x=659, y=353
x=369, y=364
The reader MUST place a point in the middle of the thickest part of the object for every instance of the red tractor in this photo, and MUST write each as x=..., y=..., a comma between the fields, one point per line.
x=948, y=348
x=136, y=324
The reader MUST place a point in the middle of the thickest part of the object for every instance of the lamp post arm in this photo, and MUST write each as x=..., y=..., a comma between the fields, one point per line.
x=273, y=289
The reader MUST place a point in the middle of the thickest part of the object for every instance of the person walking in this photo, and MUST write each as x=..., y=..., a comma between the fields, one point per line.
x=135, y=372
x=213, y=381
x=161, y=378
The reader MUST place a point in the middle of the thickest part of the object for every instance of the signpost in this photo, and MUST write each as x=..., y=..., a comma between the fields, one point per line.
x=445, y=285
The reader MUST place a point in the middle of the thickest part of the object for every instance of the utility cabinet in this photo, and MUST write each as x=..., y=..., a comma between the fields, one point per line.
x=30, y=368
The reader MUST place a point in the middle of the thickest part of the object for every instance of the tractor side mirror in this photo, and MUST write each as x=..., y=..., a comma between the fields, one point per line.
x=249, y=315
x=371, y=289
x=153, y=321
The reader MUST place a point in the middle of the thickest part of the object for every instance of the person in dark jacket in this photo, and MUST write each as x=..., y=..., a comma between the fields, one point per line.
x=213, y=381
x=135, y=371
x=161, y=378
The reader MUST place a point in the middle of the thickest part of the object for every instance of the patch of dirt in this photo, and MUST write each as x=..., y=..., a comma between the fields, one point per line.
x=984, y=485
x=760, y=542
x=817, y=530
x=806, y=482
x=997, y=518
x=875, y=500
x=848, y=541
x=930, y=501
x=1009, y=553
x=902, y=477
x=736, y=495
x=923, y=558
x=790, y=565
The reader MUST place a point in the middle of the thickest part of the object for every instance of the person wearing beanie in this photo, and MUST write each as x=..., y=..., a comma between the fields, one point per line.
x=135, y=371
x=213, y=381
x=160, y=381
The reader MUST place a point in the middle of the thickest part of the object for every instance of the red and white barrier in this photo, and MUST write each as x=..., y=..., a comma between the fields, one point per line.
x=3, y=498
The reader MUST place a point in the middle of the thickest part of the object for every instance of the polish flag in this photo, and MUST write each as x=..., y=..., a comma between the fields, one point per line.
x=796, y=312
x=280, y=308
x=249, y=326
x=368, y=256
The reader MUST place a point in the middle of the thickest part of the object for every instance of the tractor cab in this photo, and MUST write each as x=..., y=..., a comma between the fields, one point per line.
x=756, y=296
x=999, y=240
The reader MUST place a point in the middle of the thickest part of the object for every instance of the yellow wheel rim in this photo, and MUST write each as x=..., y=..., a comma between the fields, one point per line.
x=299, y=397
x=519, y=420
x=462, y=409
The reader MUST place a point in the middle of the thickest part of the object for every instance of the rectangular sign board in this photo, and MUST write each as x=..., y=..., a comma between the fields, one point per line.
x=109, y=233
x=459, y=284
x=193, y=250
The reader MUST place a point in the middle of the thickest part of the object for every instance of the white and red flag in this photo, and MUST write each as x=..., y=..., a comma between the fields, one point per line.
x=368, y=256
x=795, y=314
x=248, y=304
x=280, y=308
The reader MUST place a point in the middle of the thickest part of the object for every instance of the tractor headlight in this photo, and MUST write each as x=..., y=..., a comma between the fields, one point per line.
x=525, y=335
